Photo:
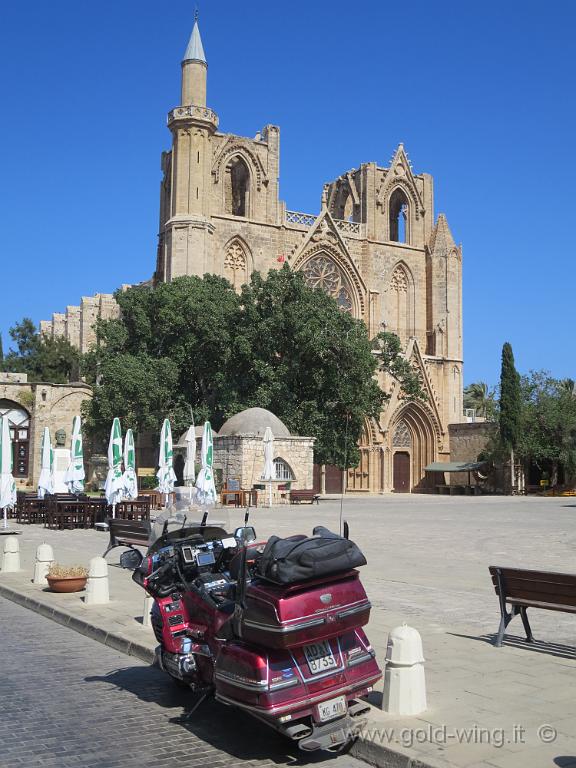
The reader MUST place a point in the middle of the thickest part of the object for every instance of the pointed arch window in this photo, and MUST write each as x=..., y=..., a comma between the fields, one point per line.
x=399, y=217
x=401, y=303
x=236, y=264
x=322, y=272
x=402, y=436
x=237, y=188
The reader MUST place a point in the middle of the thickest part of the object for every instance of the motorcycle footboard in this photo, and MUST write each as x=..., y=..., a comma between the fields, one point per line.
x=332, y=736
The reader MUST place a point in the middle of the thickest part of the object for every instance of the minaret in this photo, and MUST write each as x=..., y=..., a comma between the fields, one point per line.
x=185, y=233
x=194, y=70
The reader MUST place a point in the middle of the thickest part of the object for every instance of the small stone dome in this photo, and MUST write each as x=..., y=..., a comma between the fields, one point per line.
x=253, y=421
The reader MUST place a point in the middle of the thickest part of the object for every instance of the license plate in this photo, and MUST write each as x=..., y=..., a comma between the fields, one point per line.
x=319, y=657
x=332, y=708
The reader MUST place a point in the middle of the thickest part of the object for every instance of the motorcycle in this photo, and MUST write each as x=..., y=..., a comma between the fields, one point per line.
x=278, y=636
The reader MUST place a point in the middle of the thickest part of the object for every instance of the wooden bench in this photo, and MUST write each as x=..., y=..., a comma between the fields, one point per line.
x=520, y=589
x=298, y=496
x=128, y=533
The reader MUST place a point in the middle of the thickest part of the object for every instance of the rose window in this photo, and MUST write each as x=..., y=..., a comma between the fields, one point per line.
x=321, y=272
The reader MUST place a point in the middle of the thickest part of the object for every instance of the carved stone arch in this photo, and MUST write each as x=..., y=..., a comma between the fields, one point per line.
x=421, y=425
x=237, y=262
x=324, y=266
x=250, y=158
x=388, y=189
x=401, y=301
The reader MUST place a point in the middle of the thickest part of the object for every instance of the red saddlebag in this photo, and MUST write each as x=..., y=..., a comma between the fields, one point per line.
x=287, y=616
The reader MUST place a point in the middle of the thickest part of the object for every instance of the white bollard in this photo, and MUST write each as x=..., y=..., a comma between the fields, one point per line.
x=404, y=681
x=148, y=603
x=11, y=557
x=97, y=592
x=44, y=559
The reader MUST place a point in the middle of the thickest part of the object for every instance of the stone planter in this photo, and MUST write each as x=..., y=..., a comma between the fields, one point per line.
x=66, y=583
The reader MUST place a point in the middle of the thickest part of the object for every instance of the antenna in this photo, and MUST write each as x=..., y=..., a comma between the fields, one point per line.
x=345, y=470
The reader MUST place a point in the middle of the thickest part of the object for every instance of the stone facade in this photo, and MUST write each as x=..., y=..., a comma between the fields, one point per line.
x=39, y=405
x=77, y=324
x=242, y=457
x=375, y=246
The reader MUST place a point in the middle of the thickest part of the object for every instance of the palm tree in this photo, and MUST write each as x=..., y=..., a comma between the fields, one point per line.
x=481, y=398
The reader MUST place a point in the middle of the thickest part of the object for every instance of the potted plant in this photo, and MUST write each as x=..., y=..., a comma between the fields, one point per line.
x=66, y=578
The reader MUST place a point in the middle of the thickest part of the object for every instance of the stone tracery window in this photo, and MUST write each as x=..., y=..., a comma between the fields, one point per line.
x=322, y=272
x=402, y=436
x=401, y=303
x=236, y=265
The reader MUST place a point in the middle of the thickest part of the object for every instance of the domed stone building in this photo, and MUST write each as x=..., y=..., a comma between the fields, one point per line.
x=239, y=450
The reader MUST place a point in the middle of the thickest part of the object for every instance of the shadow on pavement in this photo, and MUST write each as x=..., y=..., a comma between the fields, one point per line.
x=224, y=728
x=514, y=641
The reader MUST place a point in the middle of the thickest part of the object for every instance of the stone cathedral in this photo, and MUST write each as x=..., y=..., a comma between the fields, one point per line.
x=375, y=246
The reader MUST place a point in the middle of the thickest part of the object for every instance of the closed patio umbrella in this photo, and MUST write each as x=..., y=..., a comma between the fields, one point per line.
x=269, y=468
x=46, y=458
x=7, y=484
x=166, y=475
x=114, y=486
x=129, y=479
x=75, y=474
x=189, y=469
x=206, y=490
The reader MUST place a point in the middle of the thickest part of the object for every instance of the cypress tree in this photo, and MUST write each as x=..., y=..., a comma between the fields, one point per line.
x=1, y=351
x=510, y=400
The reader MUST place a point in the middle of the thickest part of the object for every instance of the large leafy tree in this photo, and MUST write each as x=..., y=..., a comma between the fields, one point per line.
x=41, y=357
x=548, y=426
x=195, y=343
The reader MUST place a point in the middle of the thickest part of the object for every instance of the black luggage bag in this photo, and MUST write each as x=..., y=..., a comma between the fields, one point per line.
x=300, y=558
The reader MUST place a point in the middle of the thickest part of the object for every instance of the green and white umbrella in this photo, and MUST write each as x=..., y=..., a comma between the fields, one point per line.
x=75, y=474
x=166, y=475
x=189, y=469
x=269, y=473
x=45, y=484
x=7, y=484
x=206, y=491
x=114, y=486
x=129, y=478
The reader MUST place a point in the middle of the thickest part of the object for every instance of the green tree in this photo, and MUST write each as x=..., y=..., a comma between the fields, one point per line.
x=482, y=399
x=548, y=426
x=1, y=353
x=510, y=400
x=41, y=357
x=278, y=345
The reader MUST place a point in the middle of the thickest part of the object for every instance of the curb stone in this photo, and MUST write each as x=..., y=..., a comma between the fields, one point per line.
x=363, y=749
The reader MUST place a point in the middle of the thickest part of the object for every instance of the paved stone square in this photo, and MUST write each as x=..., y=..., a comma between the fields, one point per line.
x=428, y=561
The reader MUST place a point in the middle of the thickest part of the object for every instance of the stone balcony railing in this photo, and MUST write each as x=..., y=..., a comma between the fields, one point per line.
x=198, y=113
x=308, y=219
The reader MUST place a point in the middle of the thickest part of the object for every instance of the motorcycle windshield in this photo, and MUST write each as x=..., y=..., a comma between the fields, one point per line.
x=180, y=523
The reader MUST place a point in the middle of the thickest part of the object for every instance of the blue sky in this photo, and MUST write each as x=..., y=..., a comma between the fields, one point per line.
x=482, y=95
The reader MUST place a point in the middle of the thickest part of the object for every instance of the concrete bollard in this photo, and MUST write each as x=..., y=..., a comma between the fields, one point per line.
x=11, y=556
x=97, y=592
x=44, y=559
x=404, y=681
x=148, y=603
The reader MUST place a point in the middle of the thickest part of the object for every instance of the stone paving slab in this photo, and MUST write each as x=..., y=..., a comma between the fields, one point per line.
x=428, y=563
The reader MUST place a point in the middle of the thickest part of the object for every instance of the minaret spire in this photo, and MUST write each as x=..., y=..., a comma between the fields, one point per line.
x=194, y=69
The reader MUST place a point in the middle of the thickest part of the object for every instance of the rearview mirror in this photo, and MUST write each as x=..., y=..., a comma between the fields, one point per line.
x=245, y=534
x=131, y=559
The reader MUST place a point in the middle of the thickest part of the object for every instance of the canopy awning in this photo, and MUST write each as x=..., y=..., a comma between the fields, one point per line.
x=454, y=466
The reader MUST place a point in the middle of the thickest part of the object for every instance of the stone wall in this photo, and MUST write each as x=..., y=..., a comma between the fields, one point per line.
x=467, y=441
x=242, y=457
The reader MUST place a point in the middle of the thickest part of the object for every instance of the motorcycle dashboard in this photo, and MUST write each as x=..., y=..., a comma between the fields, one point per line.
x=192, y=556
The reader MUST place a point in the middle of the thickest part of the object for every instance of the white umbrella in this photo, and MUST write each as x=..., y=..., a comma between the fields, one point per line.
x=7, y=484
x=189, y=470
x=114, y=486
x=45, y=484
x=269, y=468
x=129, y=479
x=166, y=475
x=206, y=490
x=74, y=477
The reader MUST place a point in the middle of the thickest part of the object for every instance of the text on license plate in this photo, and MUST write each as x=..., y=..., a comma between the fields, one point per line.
x=332, y=708
x=319, y=657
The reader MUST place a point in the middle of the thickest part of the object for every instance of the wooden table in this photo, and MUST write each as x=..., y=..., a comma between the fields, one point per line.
x=136, y=509
x=30, y=509
x=74, y=513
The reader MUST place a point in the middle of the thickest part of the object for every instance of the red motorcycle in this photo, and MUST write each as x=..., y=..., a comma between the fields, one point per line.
x=274, y=629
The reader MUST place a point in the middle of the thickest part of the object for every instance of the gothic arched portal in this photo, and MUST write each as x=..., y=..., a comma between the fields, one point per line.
x=413, y=445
